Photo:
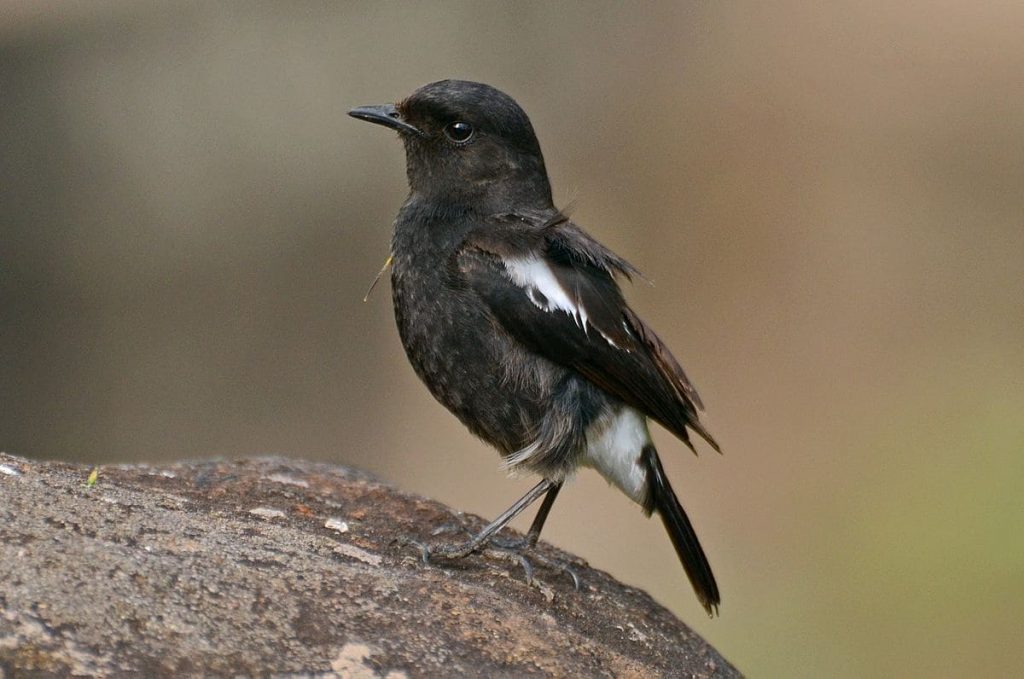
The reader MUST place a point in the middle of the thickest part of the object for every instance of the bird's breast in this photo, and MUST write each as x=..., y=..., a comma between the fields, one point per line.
x=456, y=350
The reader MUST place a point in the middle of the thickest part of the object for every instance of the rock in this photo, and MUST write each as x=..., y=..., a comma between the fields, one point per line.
x=273, y=566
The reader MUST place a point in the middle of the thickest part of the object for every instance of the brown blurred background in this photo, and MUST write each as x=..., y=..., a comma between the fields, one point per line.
x=829, y=197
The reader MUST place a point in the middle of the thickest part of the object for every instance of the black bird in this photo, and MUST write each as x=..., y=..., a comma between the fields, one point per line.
x=511, y=315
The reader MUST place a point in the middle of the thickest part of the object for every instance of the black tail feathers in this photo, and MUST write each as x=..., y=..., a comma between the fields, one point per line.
x=662, y=498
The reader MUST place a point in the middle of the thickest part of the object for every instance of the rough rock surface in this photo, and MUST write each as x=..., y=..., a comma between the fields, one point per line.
x=281, y=567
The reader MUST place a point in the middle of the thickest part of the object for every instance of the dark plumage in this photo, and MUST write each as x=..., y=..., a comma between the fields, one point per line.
x=512, y=316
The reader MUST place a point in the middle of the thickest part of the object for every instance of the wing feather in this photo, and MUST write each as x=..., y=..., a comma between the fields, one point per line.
x=553, y=289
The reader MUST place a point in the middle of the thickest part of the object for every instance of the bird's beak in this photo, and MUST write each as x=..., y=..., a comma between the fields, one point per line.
x=386, y=115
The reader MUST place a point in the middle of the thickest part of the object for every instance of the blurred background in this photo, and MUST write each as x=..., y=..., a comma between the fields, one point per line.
x=829, y=198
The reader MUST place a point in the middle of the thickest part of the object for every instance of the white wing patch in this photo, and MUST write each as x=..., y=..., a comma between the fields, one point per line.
x=538, y=280
x=535, y=276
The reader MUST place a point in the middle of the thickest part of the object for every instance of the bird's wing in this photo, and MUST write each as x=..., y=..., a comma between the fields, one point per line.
x=552, y=288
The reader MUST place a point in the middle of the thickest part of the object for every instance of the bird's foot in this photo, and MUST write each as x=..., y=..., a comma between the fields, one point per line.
x=560, y=565
x=455, y=550
x=493, y=547
x=460, y=550
x=528, y=542
x=520, y=544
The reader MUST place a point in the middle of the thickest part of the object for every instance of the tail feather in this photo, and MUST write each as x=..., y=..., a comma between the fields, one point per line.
x=662, y=498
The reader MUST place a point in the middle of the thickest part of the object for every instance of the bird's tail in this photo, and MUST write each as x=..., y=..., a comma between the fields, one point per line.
x=661, y=498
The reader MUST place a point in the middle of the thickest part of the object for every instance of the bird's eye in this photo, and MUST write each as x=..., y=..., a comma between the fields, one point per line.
x=459, y=132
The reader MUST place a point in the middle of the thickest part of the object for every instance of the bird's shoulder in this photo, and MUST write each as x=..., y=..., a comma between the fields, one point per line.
x=548, y=234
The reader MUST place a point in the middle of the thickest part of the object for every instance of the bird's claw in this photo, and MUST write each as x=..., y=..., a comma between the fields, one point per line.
x=423, y=547
x=563, y=566
x=529, y=542
x=512, y=555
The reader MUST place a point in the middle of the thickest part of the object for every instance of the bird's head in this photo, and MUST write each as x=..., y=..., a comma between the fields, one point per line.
x=467, y=142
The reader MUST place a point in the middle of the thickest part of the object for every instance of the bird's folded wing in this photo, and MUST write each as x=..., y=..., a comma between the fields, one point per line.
x=553, y=290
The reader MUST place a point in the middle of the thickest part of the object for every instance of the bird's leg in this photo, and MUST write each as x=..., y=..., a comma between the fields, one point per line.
x=510, y=549
x=458, y=551
x=533, y=535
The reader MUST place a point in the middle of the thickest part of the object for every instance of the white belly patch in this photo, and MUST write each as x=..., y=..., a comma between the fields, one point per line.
x=614, y=444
